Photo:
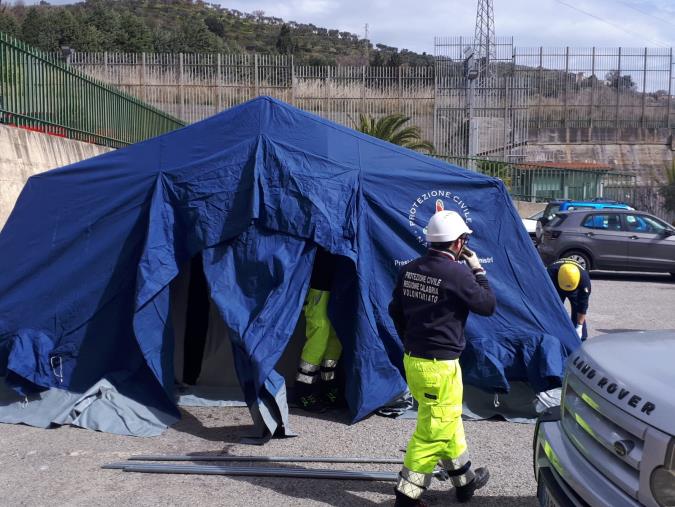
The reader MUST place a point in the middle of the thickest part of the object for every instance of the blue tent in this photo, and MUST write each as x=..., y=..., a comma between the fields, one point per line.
x=90, y=249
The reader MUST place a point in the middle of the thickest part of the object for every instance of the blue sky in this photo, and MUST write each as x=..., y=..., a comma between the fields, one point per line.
x=413, y=24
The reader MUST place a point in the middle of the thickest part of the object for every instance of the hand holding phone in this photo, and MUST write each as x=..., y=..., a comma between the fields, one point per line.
x=471, y=259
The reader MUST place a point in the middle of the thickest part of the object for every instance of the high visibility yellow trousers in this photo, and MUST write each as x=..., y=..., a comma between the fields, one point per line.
x=322, y=343
x=439, y=434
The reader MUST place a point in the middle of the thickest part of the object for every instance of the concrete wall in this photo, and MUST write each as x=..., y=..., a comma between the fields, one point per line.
x=647, y=153
x=24, y=153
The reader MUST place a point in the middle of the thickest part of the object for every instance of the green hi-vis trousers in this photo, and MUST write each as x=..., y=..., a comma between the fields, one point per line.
x=439, y=434
x=322, y=343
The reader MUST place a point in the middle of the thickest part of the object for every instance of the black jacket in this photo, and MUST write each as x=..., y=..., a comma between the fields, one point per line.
x=431, y=302
x=578, y=297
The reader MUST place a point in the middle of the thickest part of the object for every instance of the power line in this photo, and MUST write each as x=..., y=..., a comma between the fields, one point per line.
x=646, y=13
x=607, y=22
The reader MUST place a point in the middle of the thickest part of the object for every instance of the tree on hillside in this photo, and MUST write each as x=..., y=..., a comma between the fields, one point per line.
x=39, y=29
x=392, y=128
x=134, y=35
x=193, y=36
x=89, y=38
x=285, y=44
x=215, y=24
x=67, y=28
x=8, y=23
x=162, y=40
x=376, y=59
x=159, y=25
x=107, y=22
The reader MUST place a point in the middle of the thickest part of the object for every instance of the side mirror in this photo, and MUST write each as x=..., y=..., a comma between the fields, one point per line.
x=667, y=233
x=543, y=221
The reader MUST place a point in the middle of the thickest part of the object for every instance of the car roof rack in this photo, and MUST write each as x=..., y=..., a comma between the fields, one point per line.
x=608, y=201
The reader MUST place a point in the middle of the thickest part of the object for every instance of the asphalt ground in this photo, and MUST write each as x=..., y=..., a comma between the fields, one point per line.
x=61, y=466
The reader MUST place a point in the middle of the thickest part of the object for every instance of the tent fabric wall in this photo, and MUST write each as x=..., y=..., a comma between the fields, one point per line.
x=91, y=249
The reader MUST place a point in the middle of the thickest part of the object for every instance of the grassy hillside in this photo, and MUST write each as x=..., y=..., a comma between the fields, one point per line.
x=189, y=27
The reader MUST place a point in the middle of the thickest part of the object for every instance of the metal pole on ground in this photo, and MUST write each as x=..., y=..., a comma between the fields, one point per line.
x=159, y=468
x=271, y=459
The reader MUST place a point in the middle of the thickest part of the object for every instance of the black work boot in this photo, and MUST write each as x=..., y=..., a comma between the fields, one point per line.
x=307, y=397
x=330, y=394
x=465, y=493
x=330, y=390
x=405, y=501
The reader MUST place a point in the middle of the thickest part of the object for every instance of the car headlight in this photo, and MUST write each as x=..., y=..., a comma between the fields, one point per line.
x=663, y=480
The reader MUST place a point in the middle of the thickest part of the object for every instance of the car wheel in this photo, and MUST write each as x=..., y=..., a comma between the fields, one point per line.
x=580, y=257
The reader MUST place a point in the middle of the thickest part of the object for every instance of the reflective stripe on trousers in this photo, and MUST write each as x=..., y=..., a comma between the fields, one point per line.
x=412, y=484
x=439, y=434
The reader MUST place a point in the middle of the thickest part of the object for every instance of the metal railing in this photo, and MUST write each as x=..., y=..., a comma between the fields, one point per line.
x=599, y=88
x=538, y=183
x=38, y=92
x=592, y=87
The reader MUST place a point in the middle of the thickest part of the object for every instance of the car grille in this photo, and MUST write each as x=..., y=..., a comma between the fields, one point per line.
x=590, y=423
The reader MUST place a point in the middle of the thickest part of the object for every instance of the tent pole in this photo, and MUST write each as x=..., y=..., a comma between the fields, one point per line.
x=159, y=468
x=271, y=459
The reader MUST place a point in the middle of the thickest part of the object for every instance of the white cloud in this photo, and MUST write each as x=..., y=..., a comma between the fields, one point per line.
x=413, y=25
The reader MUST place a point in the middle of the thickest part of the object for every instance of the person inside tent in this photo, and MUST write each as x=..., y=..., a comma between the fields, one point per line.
x=430, y=305
x=315, y=385
x=573, y=282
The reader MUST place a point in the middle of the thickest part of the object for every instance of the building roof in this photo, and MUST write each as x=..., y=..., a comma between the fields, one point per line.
x=576, y=166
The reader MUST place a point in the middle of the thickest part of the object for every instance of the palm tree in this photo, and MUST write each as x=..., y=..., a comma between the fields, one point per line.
x=392, y=128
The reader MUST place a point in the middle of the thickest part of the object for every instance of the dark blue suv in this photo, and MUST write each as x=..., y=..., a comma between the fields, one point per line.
x=555, y=206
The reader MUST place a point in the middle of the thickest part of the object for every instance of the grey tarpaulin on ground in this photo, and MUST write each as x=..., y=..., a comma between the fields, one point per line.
x=101, y=408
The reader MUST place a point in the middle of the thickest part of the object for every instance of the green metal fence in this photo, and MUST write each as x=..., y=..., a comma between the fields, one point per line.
x=538, y=183
x=38, y=92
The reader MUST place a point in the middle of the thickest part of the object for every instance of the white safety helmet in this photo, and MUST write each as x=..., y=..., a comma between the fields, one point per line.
x=445, y=226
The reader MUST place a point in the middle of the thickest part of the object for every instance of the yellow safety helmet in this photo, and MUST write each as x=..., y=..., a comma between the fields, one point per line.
x=569, y=276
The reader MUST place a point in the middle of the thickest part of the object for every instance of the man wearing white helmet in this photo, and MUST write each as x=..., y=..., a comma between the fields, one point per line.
x=431, y=302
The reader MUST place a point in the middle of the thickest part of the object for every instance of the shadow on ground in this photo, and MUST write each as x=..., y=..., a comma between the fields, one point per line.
x=331, y=492
x=227, y=434
x=350, y=493
x=233, y=434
